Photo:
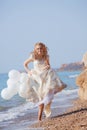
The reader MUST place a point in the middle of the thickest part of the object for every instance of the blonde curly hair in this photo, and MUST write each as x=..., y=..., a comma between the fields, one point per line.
x=45, y=51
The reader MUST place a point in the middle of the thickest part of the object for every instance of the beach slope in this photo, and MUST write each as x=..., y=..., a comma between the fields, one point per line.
x=75, y=118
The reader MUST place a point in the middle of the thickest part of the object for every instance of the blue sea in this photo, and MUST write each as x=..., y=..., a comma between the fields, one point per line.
x=18, y=114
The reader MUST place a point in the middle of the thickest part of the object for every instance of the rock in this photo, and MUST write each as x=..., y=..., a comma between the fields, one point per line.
x=71, y=66
x=81, y=81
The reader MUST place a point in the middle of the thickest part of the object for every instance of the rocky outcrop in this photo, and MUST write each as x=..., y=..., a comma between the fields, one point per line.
x=71, y=66
x=81, y=82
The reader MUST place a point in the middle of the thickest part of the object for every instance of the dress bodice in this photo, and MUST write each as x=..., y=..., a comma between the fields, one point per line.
x=39, y=64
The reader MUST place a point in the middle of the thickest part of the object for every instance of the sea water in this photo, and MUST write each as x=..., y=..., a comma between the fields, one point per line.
x=18, y=114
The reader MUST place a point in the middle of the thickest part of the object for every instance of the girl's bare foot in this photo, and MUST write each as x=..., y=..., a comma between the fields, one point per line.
x=59, y=89
x=64, y=86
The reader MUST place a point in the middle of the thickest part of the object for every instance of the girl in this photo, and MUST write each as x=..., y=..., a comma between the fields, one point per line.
x=44, y=80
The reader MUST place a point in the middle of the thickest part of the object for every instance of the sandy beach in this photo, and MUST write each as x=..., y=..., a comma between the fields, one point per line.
x=75, y=118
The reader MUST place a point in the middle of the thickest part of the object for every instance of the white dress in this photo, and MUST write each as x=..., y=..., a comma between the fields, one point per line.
x=39, y=87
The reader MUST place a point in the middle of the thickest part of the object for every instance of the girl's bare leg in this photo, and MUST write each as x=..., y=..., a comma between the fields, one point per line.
x=41, y=107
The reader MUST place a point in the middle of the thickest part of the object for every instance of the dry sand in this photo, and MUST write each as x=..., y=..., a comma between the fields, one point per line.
x=75, y=118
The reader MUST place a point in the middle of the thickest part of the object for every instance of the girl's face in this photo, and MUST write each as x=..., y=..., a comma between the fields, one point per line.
x=39, y=49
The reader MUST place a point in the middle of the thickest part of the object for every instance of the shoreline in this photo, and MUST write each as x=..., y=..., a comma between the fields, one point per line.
x=74, y=118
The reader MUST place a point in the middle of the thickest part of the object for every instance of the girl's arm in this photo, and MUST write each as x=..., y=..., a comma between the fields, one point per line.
x=26, y=62
x=47, y=63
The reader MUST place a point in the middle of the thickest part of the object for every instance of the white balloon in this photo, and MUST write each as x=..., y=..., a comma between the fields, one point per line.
x=24, y=77
x=5, y=94
x=11, y=82
x=14, y=74
x=13, y=89
x=24, y=90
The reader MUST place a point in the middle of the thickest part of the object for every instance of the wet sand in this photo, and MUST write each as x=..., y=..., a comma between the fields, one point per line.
x=75, y=118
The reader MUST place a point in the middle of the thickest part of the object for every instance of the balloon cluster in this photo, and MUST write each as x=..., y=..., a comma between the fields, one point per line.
x=17, y=83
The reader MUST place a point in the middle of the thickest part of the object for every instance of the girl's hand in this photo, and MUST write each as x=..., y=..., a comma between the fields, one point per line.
x=30, y=72
x=46, y=67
